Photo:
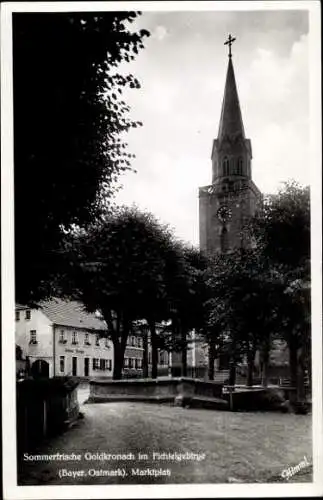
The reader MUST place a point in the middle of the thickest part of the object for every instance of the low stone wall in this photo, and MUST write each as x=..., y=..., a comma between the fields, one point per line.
x=257, y=398
x=180, y=391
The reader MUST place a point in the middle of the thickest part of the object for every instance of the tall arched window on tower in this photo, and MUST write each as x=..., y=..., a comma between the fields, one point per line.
x=224, y=239
x=225, y=166
x=240, y=166
x=232, y=169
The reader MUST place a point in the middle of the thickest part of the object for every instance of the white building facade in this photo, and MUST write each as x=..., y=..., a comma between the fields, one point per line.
x=60, y=338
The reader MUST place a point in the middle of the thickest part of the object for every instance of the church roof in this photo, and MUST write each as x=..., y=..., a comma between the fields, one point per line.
x=231, y=124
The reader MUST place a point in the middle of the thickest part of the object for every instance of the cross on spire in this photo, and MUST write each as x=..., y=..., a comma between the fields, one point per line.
x=229, y=42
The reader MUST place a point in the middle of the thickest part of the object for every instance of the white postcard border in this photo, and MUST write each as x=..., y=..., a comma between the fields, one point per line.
x=11, y=490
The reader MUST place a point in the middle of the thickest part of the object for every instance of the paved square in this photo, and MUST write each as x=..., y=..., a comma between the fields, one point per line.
x=242, y=447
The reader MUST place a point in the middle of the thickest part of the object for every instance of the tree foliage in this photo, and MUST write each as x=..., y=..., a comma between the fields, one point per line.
x=131, y=268
x=69, y=124
x=264, y=292
x=120, y=270
x=186, y=295
x=283, y=231
x=282, y=228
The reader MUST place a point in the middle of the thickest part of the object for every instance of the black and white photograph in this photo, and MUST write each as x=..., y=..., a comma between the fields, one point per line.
x=161, y=249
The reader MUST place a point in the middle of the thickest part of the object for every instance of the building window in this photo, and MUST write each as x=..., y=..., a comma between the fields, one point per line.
x=97, y=340
x=62, y=339
x=107, y=343
x=96, y=364
x=104, y=364
x=240, y=166
x=149, y=357
x=62, y=364
x=225, y=166
x=17, y=315
x=28, y=314
x=140, y=344
x=126, y=362
x=138, y=363
x=74, y=338
x=87, y=339
x=33, y=337
x=130, y=363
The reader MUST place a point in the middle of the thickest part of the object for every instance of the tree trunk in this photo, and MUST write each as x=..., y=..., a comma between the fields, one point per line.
x=176, y=361
x=211, y=359
x=118, y=360
x=232, y=372
x=250, y=373
x=154, y=349
x=251, y=365
x=264, y=373
x=184, y=352
x=265, y=363
x=145, y=373
x=119, y=344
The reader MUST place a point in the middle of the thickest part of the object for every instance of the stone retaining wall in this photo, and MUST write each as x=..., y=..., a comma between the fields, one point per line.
x=179, y=391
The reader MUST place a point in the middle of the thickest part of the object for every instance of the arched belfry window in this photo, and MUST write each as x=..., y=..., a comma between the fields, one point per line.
x=232, y=166
x=225, y=166
x=240, y=166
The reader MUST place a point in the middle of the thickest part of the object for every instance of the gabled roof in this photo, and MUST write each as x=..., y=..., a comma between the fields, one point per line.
x=71, y=313
x=231, y=124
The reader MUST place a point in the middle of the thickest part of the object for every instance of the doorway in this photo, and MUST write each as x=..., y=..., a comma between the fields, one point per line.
x=40, y=369
x=74, y=367
x=86, y=367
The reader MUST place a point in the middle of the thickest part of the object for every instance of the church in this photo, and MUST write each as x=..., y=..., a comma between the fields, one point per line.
x=226, y=205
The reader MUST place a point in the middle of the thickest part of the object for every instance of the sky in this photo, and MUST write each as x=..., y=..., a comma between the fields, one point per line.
x=182, y=72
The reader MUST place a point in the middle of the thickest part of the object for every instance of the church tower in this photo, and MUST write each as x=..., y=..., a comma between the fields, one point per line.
x=227, y=204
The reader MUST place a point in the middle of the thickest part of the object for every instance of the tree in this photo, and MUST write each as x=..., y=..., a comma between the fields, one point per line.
x=282, y=231
x=194, y=295
x=264, y=292
x=282, y=228
x=120, y=270
x=241, y=313
x=213, y=330
x=70, y=122
x=186, y=293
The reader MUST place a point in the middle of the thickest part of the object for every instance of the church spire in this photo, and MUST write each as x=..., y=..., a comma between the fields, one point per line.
x=231, y=124
x=227, y=204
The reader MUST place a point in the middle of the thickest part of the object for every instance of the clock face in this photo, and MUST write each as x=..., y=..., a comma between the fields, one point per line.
x=224, y=213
